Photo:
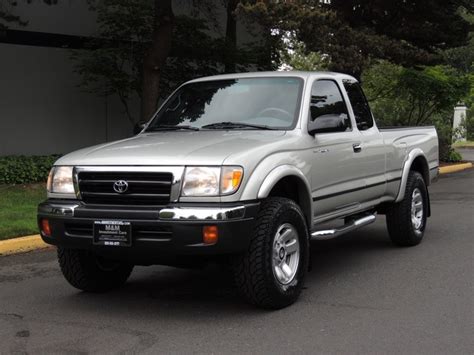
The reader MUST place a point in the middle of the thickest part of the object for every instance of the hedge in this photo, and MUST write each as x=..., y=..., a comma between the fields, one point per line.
x=19, y=169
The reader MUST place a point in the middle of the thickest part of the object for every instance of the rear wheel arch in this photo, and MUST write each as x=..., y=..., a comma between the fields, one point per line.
x=406, y=220
x=420, y=164
x=416, y=161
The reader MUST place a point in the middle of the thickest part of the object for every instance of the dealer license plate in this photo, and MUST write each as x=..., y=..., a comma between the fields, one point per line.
x=113, y=233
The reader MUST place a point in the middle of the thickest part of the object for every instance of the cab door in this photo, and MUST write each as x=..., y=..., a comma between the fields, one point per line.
x=372, y=148
x=337, y=172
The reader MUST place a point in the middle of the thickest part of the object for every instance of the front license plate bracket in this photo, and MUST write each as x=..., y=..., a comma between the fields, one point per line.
x=113, y=233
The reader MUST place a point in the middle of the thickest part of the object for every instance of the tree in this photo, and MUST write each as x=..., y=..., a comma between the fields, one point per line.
x=413, y=97
x=296, y=57
x=143, y=50
x=148, y=50
x=354, y=33
x=230, y=45
x=427, y=25
x=6, y=15
x=462, y=58
x=130, y=55
x=155, y=55
x=406, y=96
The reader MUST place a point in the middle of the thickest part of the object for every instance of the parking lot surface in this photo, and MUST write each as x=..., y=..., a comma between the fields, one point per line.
x=363, y=296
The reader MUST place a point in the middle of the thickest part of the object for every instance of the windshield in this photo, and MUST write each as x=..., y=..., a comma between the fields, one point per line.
x=271, y=103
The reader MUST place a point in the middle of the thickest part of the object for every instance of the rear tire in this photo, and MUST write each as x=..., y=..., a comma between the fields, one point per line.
x=91, y=273
x=406, y=220
x=270, y=274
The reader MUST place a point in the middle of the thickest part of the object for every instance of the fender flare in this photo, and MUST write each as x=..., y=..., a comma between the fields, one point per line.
x=415, y=153
x=281, y=172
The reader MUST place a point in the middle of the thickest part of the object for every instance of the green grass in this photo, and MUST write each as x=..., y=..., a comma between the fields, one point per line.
x=18, y=205
x=466, y=144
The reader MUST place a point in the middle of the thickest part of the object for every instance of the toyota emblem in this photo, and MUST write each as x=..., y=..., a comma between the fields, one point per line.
x=120, y=186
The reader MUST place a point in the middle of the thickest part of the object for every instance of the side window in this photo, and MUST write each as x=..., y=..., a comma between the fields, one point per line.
x=327, y=108
x=359, y=104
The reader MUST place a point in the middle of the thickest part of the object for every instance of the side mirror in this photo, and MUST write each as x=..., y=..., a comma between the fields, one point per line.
x=138, y=128
x=328, y=124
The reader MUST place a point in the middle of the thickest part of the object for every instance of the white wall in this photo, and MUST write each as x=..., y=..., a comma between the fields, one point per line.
x=42, y=109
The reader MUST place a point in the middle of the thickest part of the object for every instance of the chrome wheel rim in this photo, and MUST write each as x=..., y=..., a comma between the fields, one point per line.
x=417, y=209
x=286, y=254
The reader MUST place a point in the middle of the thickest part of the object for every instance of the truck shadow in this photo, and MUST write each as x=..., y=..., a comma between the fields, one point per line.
x=203, y=292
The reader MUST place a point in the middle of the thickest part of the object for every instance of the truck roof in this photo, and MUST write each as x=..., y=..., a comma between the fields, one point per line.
x=300, y=74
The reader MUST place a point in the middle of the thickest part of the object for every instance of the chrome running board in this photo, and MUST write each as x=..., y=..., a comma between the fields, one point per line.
x=348, y=227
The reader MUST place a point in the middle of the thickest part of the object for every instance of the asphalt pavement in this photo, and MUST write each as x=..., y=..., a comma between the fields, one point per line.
x=363, y=296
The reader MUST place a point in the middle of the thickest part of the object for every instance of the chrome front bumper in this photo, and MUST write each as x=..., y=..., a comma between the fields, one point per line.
x=165, y=214
x=202, y=213
x=157, y=234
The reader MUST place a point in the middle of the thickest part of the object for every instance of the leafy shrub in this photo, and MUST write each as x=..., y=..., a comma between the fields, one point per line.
x=19, y=169
x=415, y=97
x=445, y=136
x=453, y=157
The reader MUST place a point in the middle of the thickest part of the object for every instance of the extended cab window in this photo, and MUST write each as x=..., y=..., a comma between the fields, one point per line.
x=359, y=104
x=327, y=106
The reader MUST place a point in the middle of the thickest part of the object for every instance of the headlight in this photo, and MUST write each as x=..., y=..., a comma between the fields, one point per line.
x=60, y=180
x=211, y=181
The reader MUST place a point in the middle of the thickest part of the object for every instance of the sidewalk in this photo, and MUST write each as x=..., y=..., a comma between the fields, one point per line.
x=467, y=153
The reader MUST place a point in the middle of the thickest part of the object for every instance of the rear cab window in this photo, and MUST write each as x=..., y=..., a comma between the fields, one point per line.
x=360, y=106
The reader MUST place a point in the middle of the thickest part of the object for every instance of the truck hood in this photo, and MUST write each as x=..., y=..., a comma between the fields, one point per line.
x=172, y=148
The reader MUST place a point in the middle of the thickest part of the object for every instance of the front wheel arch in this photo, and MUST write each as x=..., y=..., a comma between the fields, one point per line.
x=289, y=182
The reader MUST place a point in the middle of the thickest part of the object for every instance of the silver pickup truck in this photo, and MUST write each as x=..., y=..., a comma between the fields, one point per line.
x=241, y=168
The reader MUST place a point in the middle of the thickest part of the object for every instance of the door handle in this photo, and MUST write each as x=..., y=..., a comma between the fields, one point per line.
x=357, y=147
x=321, y=150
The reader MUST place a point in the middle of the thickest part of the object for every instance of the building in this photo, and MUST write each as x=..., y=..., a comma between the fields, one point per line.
x=42, y=109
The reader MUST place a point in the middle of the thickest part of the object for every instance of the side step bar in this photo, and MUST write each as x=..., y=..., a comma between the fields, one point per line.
x=349, y=227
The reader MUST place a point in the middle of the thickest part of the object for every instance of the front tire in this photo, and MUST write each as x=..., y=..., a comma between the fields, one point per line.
x=91, y=273
x=406, y=220
x=270, y=274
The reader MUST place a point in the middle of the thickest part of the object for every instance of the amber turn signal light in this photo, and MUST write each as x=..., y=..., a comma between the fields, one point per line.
x=230, y=179
x=210, y=234
x=45, y=228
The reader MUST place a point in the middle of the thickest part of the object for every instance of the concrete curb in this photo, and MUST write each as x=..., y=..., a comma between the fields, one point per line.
x=454, y=168
x=22, y=245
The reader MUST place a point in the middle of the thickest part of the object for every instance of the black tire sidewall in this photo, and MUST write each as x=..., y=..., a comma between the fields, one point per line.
x=81, y=270
x=288, y=212
x=399, y=222
x=419, y=183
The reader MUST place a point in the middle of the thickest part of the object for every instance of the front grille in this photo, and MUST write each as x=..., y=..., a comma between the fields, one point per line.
x=144, y=188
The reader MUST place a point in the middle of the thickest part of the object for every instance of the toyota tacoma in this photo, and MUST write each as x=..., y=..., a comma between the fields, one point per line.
x=242, y=168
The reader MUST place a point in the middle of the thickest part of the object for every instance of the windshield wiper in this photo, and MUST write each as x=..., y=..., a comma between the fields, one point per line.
x=164, y=127
x=231, y=125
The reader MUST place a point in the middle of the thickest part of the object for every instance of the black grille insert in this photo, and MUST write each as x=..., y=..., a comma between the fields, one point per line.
x=144, y=188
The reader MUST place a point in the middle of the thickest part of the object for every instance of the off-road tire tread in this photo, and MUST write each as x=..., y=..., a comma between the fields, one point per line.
x=250, y=278
x=79, y=270
x=398, y=216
